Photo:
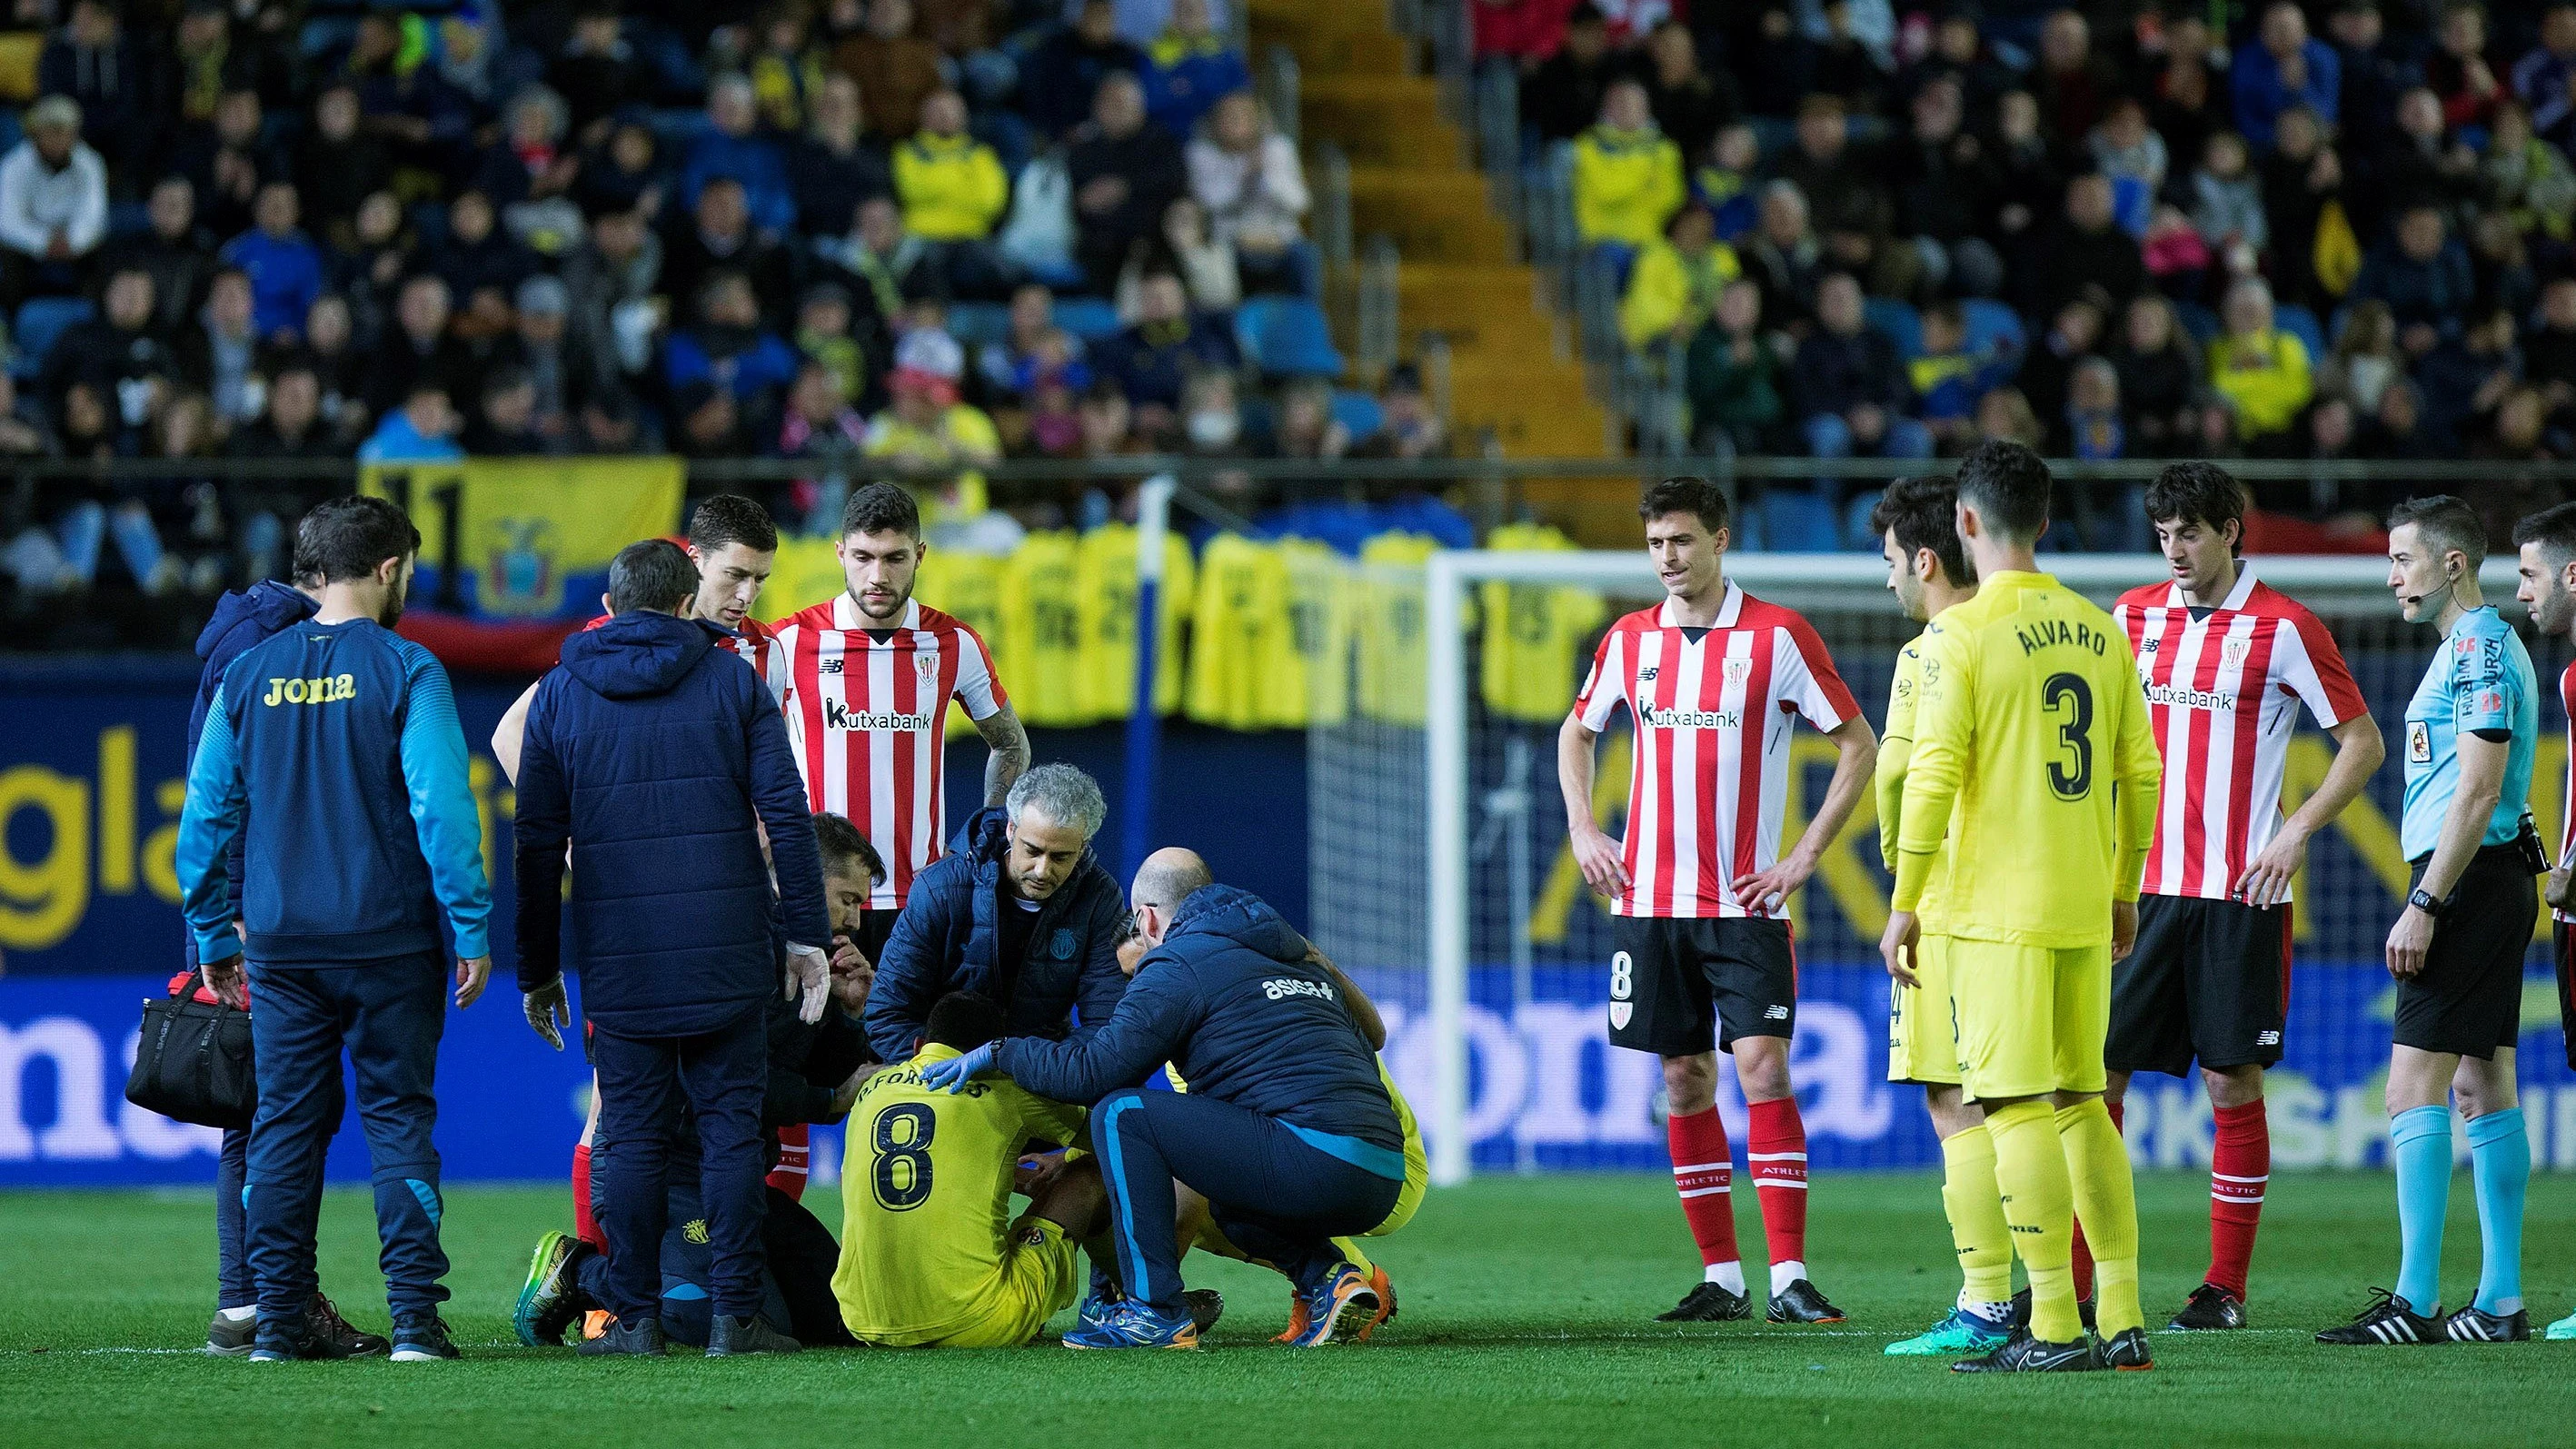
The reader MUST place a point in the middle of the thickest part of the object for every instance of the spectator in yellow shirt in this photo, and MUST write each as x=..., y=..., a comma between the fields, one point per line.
x=1627, y=174
x=1673, y=290
x=2261, y=371
x=939, y=442
x=953, y=193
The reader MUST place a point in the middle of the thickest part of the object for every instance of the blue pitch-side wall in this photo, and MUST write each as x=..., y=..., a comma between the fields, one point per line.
x=89, y=792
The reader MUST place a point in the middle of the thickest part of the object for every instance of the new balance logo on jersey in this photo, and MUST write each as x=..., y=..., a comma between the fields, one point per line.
x=1647, y=674
x=1775, y=1013
x=2267, y=1038
x=1280, y=988
x=1664, y=718
x=839, y=716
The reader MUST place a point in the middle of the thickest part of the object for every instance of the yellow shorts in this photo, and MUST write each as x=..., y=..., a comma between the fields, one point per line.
x=1922, y=1023
x=1036, y=1281
x=2031, y=1019
x=1417, y=1181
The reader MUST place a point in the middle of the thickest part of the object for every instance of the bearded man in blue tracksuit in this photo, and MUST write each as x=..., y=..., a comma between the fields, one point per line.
x=658, y=757
x=1286, y=1128
x=333, y=751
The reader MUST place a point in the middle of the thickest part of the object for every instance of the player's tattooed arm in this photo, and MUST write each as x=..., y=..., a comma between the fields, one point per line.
x=1009, y=742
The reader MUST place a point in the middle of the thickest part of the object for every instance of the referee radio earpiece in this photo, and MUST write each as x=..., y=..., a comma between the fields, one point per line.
x=2450, y=581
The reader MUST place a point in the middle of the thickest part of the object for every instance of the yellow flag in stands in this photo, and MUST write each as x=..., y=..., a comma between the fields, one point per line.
x=1040, y=655
x=969, y=586
x=1534, y=633
x=1238, y=627
x=527, y=538
x=1105, y=610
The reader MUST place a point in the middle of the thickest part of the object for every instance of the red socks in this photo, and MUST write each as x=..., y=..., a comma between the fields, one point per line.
x=788, y=1174
x=1703, y=1175
x=1777, y=1158
x=584, y=1225
x=2239, y=1165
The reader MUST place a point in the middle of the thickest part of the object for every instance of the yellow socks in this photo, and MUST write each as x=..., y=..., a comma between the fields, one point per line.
x=1975, y=1207
x=2039, y=1202
x=2097, y=1163
x=1349, y=1248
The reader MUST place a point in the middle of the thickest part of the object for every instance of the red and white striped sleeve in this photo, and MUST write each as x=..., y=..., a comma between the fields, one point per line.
x=2309, y=665
x=1606, y=687
x=2567, y=808
x=1806, y=676
x=979, y=688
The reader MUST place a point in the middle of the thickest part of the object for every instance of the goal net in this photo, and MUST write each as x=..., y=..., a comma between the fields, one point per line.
x=1440, y=872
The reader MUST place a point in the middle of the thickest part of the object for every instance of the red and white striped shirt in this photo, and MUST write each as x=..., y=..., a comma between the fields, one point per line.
x=867, y=710
x=2567, y=806
x=2223, y=696
x=1713, y=714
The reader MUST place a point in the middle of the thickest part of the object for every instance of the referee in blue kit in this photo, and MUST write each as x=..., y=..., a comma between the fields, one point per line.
x=333, y=751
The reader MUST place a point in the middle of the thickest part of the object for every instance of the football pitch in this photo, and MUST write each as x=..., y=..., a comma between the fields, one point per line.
x=1526, y=1319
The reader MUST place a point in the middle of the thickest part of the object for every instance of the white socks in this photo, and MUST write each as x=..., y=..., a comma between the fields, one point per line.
x=243, y=1314
x=1784, y=1273
x=1729, y=1276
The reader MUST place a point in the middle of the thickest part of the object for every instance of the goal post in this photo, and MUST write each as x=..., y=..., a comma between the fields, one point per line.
x=1478, y=905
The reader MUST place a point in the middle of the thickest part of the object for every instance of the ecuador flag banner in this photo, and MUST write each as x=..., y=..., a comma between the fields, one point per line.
x=523, y=539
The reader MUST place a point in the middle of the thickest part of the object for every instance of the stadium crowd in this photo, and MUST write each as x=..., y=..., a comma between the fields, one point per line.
x=2337, y=230
x=936, y=233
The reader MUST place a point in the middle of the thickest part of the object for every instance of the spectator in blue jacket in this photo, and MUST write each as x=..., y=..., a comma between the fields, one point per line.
x=2281, y=68
x=729, y=348
x=659, y=757
x=1020, y=910
x=283, y=264
x=1149, y=359
x=1060, y=77
x=1194, y=67
x=334, y=751
x=1286, y=1128
x=733, y=146
x=2423, y=276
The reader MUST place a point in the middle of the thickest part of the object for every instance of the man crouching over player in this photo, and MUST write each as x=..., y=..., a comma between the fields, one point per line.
x=1286, y=1127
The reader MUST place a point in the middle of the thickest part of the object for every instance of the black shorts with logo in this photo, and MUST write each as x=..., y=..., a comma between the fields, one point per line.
x=1683, y=986
x=2209, y=980
x=2467, y=1001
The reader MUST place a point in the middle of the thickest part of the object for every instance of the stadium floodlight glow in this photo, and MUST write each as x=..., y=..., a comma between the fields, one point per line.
x=1849, y=589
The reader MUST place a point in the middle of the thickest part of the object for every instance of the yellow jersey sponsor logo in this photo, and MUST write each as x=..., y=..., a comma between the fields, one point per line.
x=321, y=689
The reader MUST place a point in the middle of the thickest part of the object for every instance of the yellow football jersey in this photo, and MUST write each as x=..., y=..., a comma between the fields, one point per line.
x=1394, y=663
x=1533, y=651
x=1239, y=627
x=926, y=1197
x=2033, y=757
x=1311, y=674
x=968, y=586
x=1895, y=749
x=1040, y=652
x=963, y=434
x=1105, y=610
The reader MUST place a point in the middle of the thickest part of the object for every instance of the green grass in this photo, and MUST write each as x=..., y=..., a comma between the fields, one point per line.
x=1526, y=1308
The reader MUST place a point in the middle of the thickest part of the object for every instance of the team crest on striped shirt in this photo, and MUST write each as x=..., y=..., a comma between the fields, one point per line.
x=2233, y=652
x=927, y=666
x=1737, y=669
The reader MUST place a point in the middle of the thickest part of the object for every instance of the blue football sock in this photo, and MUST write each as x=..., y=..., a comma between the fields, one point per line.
x=2500, y=1163
x=2420, y=1143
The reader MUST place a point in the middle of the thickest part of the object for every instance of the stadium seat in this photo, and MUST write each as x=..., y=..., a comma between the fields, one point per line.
x=1358, y=413
x=2301, y=323
x=1992, y=326
x=41, y=322
x=975, y=323
x=1089, y=318
x=1286, y=337
x=1899, y=321
x=1799, y=522
x=2197, y=320
x=19, y=52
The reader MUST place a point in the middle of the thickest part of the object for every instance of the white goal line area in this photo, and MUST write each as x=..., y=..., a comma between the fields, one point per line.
x=2345, y=590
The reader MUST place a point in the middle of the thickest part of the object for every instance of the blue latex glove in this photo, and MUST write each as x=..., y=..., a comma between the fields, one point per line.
x=953, y=1074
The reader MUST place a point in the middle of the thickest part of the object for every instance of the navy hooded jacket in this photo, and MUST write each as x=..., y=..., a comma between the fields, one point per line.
x=1230, y=1000
x=658, y=756
x=241, y=619
x=948, y=938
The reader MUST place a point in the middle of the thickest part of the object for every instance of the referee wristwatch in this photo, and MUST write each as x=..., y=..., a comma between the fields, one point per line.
x=2425, y=901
